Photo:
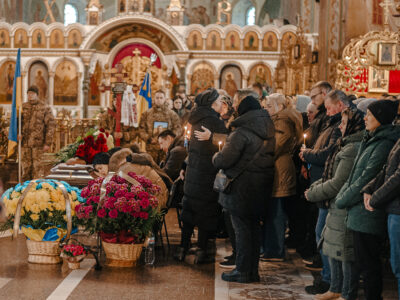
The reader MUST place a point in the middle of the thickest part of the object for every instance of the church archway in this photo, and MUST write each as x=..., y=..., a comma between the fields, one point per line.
x=115, y=30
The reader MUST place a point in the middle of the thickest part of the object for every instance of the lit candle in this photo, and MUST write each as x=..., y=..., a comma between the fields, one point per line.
x=305, y=136
x=219, y=145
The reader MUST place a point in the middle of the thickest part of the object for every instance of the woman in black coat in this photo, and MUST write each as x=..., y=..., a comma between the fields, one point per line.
x=248, y=157
x=200, y=202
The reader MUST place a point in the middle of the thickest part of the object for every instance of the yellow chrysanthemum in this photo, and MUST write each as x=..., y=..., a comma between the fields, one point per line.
x=34, y=217
x=74, y=196
x=50, y=214
x=46, y=185
x=35, y=208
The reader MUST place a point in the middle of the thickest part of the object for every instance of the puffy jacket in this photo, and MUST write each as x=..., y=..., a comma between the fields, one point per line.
x=251, y=190
x=200, y=202
x=338, y=239
x=38, y=124
x=385, y=187
x=371, y=157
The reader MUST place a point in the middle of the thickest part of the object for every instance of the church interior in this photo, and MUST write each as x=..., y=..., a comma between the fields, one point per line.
x=76, y=52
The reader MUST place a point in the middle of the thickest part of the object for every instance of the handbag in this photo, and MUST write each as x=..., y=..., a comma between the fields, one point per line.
x=222, y=183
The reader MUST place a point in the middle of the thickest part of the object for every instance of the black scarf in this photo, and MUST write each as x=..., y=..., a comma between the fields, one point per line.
x=355, y=124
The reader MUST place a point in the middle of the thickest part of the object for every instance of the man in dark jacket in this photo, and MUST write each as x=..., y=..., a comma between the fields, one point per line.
x=248, y=158
x=384, y=192
x=336, y=101
x=175, y=153
x=200, y=202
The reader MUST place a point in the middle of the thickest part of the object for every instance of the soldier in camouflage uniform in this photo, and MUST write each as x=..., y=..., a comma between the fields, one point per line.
x=154, y=121
x=38, y=127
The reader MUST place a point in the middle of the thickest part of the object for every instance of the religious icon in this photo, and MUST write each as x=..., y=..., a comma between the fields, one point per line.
x=251, y=41
x=95, y=82
x=261, y=74
x=4, y=39
x=39, y=76
x=231, y=79
x=6, y=81
x=56, y=39
x=270, y=42
x=38, y=39
x=387, y=54
x=314, y=59
x=134, y=6
x=378, y=80
x=93, y=18
x=66, y=84
x=195, y=41
x=202, y=78
x=213, y=41
x=74, y=39
x=147, y=6
x=288, y=39
x=122, y=6
x=232, y=41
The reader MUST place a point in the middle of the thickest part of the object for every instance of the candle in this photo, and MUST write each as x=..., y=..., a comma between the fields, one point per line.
x=219, y=145
x=305, y=136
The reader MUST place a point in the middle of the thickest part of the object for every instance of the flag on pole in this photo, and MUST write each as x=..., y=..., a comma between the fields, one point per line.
x=144, y=99
x=16, y=105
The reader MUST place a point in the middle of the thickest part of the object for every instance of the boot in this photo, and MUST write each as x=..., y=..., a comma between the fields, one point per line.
x=236, y=276
x=180, y=254
x=327, y=296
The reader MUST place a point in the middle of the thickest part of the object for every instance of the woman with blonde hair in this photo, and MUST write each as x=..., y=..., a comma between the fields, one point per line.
x=288, y=128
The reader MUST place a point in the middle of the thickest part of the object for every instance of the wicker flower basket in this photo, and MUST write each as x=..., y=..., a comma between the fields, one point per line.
x=43, y=252
x=122, y=255
x=74, y=265
x=47, y=253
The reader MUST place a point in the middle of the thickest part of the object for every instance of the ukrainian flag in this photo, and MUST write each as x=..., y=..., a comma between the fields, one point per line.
x=16, y=105
x=144, y=99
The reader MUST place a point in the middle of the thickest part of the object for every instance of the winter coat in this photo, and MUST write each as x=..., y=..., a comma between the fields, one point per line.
x=251, y=190
x=148, y=129
x=371, y=157
x=319, y=124
x=286, y=138
x=323, y=147
x=338, y=239
x=385, y=187
x=200, y=202
x=38, y=124
x=175, y=157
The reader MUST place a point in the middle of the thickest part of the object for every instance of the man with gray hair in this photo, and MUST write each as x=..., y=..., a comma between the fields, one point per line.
x=335, y=103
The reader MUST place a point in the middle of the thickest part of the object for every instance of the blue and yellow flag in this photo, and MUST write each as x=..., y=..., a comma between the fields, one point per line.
x=144, y=99
x=16, y=105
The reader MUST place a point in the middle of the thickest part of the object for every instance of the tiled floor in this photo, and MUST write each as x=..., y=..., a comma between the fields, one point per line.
x=167, y=280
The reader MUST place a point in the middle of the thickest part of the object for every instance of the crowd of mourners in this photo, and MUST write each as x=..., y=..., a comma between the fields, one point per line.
x=318, y=174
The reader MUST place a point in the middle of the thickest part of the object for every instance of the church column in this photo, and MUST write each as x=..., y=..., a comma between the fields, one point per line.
x=51, y=88
x=245, y=80
x=85, y=91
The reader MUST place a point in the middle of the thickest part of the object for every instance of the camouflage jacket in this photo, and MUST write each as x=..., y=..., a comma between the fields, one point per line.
x=38, y=124
x=155, y=120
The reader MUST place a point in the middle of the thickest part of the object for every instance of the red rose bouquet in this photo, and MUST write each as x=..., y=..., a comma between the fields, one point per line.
x=91, y=147
x=126, y=213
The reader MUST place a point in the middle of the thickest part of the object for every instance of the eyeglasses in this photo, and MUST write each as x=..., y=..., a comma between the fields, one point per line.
x=312, y=97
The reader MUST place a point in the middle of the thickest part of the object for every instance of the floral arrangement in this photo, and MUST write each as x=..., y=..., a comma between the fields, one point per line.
x=43, y=216
x=72, y=250
x=127, y=213
x=87, y=147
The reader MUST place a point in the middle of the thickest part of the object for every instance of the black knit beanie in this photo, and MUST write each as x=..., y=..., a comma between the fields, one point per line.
x=385, y=111
x=33, y=88
x=207, y=97
x=247, y=104
x=101, y=158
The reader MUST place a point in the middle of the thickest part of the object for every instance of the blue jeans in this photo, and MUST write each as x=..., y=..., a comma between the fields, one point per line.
x=274, y=229
x=394, y=237
x=326, y=272
x=344, y=278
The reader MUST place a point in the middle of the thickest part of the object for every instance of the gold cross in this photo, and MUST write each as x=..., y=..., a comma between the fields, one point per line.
x=137, y=52
x=49, y=11
x=386, y=4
